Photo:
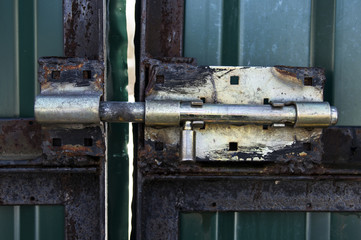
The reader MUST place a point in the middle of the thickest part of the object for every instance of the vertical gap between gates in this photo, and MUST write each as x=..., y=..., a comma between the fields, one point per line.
x=130, y=17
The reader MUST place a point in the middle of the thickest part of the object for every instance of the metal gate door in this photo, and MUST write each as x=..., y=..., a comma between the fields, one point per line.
x=52, y=165
x=169, y=191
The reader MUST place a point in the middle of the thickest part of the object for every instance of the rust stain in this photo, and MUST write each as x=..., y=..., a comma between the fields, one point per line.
x=71, y=30
x=286, y=70
x=20, y=136
x=100, y=143
x=304, y=75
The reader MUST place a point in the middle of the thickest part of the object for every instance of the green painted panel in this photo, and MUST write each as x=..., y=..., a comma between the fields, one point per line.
x=270, y=225
x=32, y=222
x=49, y=35
x=322, y=33
x=8, y=60
x=318, y=226
x=26, y=57
x=7, y=222
x=198, y=226
x=226, y=225
x=203, y=33
x=345, y=226
x=50, y=222
x=31, y=28
x=322, y=41
x=245, y=32
x=347, y=62
x=243, y=225
x=118, y=160
x=27, y=222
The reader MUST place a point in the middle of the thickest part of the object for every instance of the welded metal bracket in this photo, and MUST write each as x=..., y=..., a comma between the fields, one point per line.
x=75, y=83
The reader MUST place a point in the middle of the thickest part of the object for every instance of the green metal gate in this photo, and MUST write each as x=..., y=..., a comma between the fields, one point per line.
x=267, y=33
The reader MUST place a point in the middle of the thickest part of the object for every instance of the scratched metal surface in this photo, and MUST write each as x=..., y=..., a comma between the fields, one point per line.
x=282, y=84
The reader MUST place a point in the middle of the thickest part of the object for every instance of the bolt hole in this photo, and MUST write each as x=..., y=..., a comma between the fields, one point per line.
x=307, y=81
x=56, y=142
x=233, y=146
x=159, y=146
x=88, y=142
x=159, y=79
x=32, y=198
x=87, y=74
x=307, y=146
x=234, y=80
x=265, y=127
x=55, y=75
x=214, y=204
x=203, y=99
x=265, y=101
x=353, y=150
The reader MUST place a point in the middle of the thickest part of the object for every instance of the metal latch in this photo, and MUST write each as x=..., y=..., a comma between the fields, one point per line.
x=188, y=112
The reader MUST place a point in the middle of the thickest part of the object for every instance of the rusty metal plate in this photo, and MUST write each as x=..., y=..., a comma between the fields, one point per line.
x=59, y=75
x=84, y=28
x=67, y=76
x=80, y=193
x=236, y=85
x=164, y=198
x=20, y=139
x=88, y=141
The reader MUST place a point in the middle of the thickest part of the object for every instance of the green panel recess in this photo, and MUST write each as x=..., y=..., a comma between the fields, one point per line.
x=30, y=28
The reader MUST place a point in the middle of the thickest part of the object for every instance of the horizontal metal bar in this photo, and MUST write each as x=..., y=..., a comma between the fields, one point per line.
x=67, y=108
x=88, y=109
x=91, y=170
x=345, y=177
x=122, y=112
x=172, y=113
x=238, y=114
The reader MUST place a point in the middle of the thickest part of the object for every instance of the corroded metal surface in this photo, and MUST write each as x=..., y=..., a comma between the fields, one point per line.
x=71, y=142
x=253, y=85
x=164, y=197
x=63, y=165
x=342, y=145
x=59, y=75
x=79, y=193
x=122, y=112
x=162, y=26
x=20, y=139
x=83, y=28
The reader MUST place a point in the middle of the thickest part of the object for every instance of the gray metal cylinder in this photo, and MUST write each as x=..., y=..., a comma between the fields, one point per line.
x=122, y=112
x=188, y=141
x=63, y=109
x=162, y=113
x=238, y=114
x=319, y=114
